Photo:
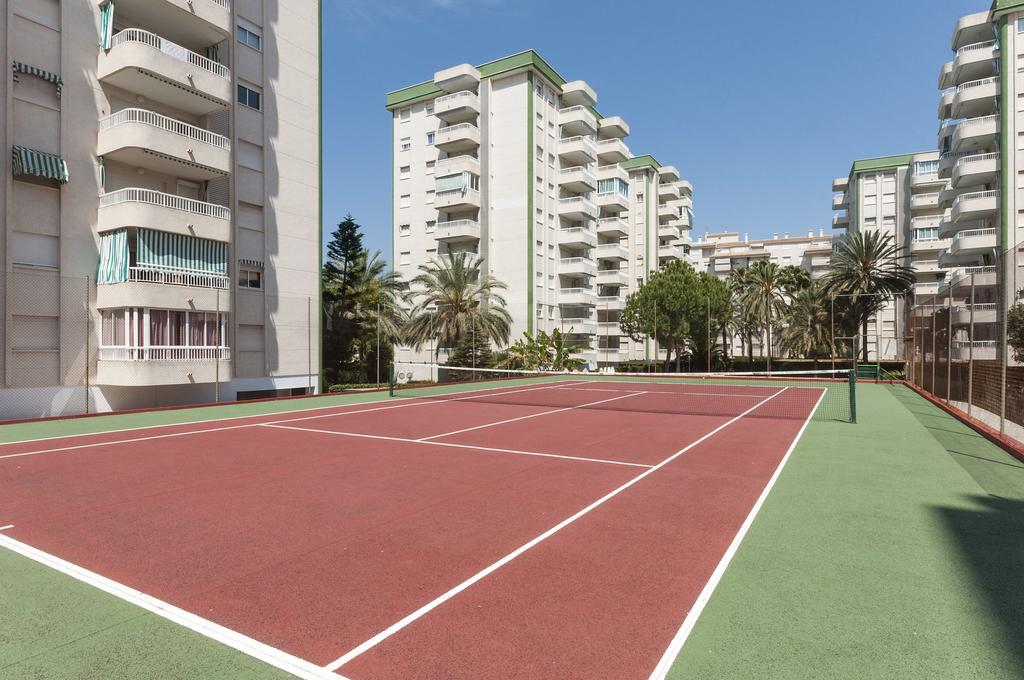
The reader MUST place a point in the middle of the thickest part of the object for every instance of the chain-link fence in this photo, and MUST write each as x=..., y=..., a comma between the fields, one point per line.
x=957, y=343
x=72, y=347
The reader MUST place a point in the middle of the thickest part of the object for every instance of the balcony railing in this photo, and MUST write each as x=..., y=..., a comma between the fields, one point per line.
x=164, y=353
x=136, y=195
x=976, y=46
x=973, y=195
x=176, y=276
x=976, y=83
x=461, y=195
x=171, y=49
x=975, y=232
x=453, y=99
x=458, y=127
x=977, y=158
x=167, y=123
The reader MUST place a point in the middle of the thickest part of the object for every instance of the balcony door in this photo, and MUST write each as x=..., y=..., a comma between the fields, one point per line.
x=188, y=189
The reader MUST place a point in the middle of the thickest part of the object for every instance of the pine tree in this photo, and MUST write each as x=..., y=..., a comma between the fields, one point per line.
x=340, y=275
x=473, y=349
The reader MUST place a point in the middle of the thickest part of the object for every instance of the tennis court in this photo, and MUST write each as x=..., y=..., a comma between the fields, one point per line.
x=520, y=526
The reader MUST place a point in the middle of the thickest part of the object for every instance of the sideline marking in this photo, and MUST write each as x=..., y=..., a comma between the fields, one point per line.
x=436, y=602
x=531, y=415
x=5, y=528
x=676, y=646
x=404, y=404
x=235, y=640
x=459, y=446
x=675, y=392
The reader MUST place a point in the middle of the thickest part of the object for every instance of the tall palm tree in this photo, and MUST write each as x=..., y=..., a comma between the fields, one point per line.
x=376, y=309
x=451, y=293
x=867, y=272
x=794, y=278
x=807, y=324
x=763, y=297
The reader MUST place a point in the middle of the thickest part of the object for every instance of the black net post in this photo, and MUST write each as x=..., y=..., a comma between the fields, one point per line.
x=391, y=379
x=853, y=395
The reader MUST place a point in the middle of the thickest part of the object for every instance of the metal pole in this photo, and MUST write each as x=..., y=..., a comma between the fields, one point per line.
x=833, y=301
x=472, y=350
x=709, y=335
x=217, y=353
x=912, y=356
x=768, y=328
x=309, y=345
x=949, y=345
x=934, y=355
x=970, y=352
x=88, y=324
x=378, y=343
x=1004, y=355
x=655, y=343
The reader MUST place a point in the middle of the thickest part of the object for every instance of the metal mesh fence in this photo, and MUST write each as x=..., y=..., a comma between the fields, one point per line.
x=73, y=348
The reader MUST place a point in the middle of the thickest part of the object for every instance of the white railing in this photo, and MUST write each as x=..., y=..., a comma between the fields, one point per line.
x=573, y=261
x=223, y=3
x=975, y=343
x=573, y=109
x=925, y=198
x=577, y=138
x=987, y=269
x=926, y=239
x=973, y=195
x=576, y=291
x=970, y=122
x=454, y=98
x=575, y=232
x=575, y=168
x=167, y=123
x=923, y=264
x=190, y=205
x=977, y=306
x=976, y=83
x=459, y=127
x=459, y=195
x=458, y=225
x=613, y=141
x=975, y=232
x=577, y=200
x=977, y=158
x=176, y=276
x=976, y=46
x=171, y=49
x=954, y=155
x=164, y=353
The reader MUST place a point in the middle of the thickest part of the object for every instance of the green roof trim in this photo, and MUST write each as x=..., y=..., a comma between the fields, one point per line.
x=528, y=60
x=881, y=163
x=647, y=161
x=1005, y=5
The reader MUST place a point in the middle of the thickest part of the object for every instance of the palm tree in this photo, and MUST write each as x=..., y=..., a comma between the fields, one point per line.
x=763, y=297
x=807, y=324
x=376, y=310
x=866, y=270
x=451, y=294
x=794, y=278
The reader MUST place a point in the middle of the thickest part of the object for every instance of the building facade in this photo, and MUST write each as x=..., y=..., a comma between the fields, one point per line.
x=161, y=206
x=511, y=162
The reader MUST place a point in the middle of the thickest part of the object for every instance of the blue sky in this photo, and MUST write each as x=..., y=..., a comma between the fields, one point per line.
x=759, y=104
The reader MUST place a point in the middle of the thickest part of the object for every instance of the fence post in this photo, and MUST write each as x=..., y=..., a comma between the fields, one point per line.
x=970, y=352
x=949, y=345
x=309, y=344
x=217, y=353
x=88, y=328
x=935, y=356
x=853, y=396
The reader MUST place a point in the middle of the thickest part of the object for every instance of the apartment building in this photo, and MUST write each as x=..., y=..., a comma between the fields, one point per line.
x=164, y=186
x=510, y=161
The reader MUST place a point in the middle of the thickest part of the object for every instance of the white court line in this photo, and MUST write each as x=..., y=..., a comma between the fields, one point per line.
x=436, y=602
x=526, y=417
x=6, y=527
x=132, y=440
x=694, y=394
x=676, y=646
x=459, y=446
x=258, y=650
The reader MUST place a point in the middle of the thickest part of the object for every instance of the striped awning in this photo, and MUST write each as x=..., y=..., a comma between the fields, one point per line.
x=246, y=262
x=113, y=257
x=163, y=250
x=31, y=162
x=28, y=70
x=106, y=24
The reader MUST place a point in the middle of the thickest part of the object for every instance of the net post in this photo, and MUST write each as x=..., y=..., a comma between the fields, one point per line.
x=391, y=378
x=853, y=396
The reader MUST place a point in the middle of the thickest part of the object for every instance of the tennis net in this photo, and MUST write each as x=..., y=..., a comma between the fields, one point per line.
x=831, y=395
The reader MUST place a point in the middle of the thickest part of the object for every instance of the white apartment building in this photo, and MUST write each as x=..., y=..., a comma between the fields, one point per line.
x=512, y=162
x=168, y=152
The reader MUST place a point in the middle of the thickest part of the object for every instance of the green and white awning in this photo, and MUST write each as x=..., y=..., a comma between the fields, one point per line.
x=162, y=250
x=38, y=163
x=28, y=70
x=106, y=24
x=113, y=257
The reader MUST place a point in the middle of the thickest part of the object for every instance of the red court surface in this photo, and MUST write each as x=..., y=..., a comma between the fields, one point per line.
x=562, y=531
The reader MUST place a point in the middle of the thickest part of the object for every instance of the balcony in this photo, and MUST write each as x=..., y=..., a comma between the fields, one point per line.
x=457, y=78
x=840, y=202
x=975, y=134
x=668, y=173
x=613, y=226
x=925, y=201
x=925, y=266
x=453, y=165
x=975, y=98
x=931, y=179
x=454, y=139
x=612, y=150
x=975, y=205
x=136, y=207
x=577, y=237
x=457, y=200
x=460, y=107
x=611, y=302
x=976, y=169
x=961, y=280
x=840, y=185
x=578, y=179
x=577, y=266
x=612, y=251
x=669, y=252
x=970, y=29
x=612, y=171
x=820, y=261
x=577, y=121
x=579, y=325
x=685, y=188
x=612, y=202
x=145, y=64
x=841, y=222
x=947, y=195
x=667, y=212
x=670, y=230
x=973, y=242
x=979, y=350
x=612, y=277
x=926, y=289
x=609, y=328
x=156, y=142
x=166, y=288
x=578, y=150
x=668, y=191
x=168, y=365
x=193, y=23
x=929, y=245
x=979, y=312
x=974, y=62
x=613, y=126
x=577, y=208
x=578, y=93
x=457, y=231
x=946, y=103
x=579, y=297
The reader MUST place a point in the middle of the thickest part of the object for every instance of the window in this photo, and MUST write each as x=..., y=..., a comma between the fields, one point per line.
x=1020, y=25
x=405, y=144
x=430, y=196
x=404, y=201
x=249, y=37
x=404, y=172
x=430, y=168
x=404, y=230
x=405, y=257
x=431, y=226
x=249, y=97
x=430, y=108
x=430, y=139
x=925, y=168
x=250, y=278
x=405, y=114
x=926, y=234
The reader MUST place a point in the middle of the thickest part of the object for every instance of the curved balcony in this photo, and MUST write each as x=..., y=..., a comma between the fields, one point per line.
x=156, y=142
x=612, y=150
x=974, y=62
x=137, y=207
x=670, y=230
x=613, y=126
x=577, y=121
x=138, y=366
x=577, y=208
x=975, y=205
x=457, y=138
x=976, y=169
x=192, y=23
x=975, y=134
x=149, y=65
x=973, y=242
x=667, y=213
x=668, y=191
x=669, y=252
x=946, y=103
x=668, y=173
x=685, y=188
x=461, y=107
x=979, y=312
x=841, y=222
x=975, y=98
x=578, y=179
x=578, y=150
x=973, y=28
